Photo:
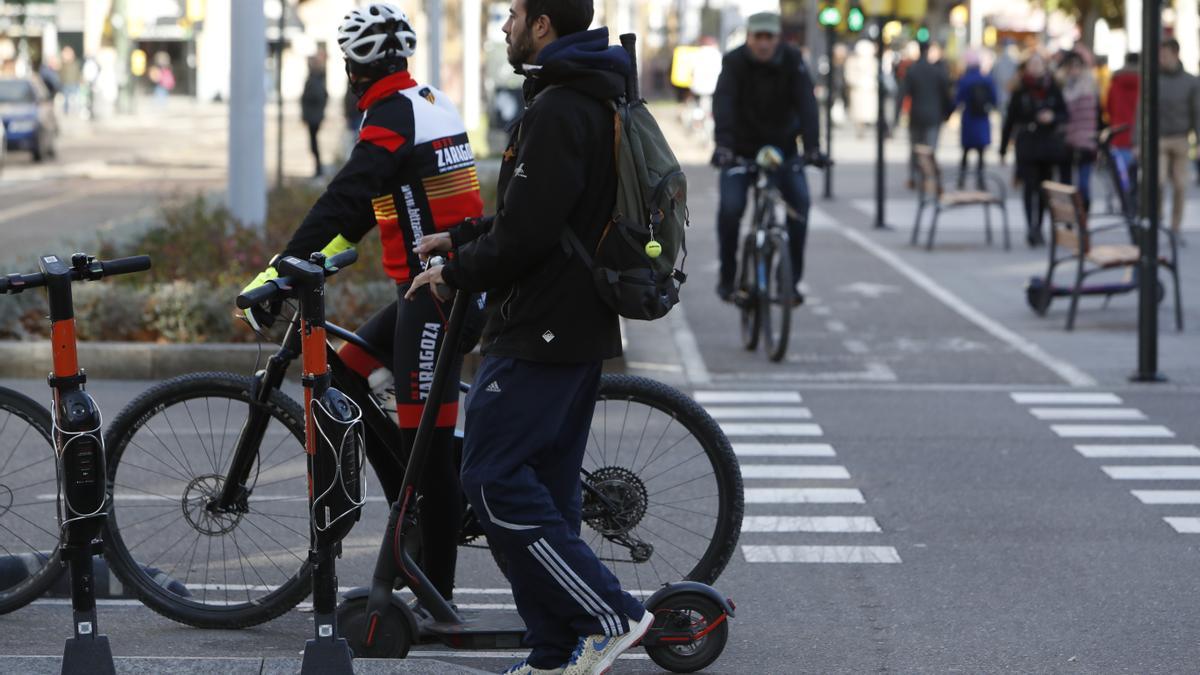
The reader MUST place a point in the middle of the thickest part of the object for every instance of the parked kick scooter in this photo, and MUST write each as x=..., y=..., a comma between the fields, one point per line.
x=334, y=443
x=79, y=447
x=690, y=625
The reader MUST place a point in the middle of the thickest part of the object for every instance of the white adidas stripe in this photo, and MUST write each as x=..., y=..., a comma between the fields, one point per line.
x=606, y=614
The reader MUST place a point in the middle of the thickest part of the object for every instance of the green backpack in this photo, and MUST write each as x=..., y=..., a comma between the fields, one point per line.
x=634, y=265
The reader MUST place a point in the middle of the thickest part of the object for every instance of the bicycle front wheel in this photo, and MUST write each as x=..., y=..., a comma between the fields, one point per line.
x=169, y=454
x=776, y=302
x=662, y=493
x=747, y=295
x=29, y=530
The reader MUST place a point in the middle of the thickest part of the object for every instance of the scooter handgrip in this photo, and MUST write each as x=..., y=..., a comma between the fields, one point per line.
x=257, y=296
x=136, y=263
x=343, y=259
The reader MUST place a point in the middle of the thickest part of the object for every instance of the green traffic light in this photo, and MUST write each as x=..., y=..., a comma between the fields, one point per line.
x=829, y=16
x=922, y=34
x=855, y=19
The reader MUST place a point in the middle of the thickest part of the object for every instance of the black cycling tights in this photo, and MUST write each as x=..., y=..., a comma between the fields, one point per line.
x=412, y=332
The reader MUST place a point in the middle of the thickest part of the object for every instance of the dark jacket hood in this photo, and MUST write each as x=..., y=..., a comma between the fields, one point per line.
x=582, y=61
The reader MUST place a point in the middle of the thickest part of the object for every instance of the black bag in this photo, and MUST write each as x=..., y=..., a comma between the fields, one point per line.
x=979, y=99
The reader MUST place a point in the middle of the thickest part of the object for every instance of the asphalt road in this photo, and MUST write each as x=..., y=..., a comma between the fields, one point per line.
x=909, y=507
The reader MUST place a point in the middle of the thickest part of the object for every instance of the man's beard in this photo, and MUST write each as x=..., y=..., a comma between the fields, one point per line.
x=520, y=52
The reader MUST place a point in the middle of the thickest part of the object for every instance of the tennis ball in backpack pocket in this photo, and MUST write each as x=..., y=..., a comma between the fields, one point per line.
x=653, y=249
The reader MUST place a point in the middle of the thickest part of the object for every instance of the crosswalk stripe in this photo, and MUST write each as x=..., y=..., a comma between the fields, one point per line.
x=803, y=496
x=1101, y=451
x=1167, y=496
x=754, y=413
x=1087, y=413
x=769, y=429
x=783, y=450
x=842, y=524
x=1112, y=431
x=782, y=471
x=747, y=396
x=1184, y=525
x=1065, y=398
x=820, y=554
x=1152, y=472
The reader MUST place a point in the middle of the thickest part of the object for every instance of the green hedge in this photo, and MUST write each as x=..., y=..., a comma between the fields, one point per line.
x=202, y=257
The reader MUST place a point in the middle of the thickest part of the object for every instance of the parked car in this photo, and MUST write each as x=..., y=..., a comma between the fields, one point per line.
x=27, y=113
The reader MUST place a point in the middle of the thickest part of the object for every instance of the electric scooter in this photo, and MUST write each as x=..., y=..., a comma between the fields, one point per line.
x=690, y=619
x=334, y=443
x=79, y=446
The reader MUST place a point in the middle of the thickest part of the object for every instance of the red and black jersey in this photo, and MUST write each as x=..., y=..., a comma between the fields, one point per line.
x=411, y=172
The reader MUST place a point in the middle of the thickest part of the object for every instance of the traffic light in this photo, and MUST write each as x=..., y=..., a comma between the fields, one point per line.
x=854, y=18
x=922, y=34
x=829, y=16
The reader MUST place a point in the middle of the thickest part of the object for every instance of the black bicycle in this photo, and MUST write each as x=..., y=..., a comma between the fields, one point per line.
x=209, y=493
x=765, y=291
x=29, y=540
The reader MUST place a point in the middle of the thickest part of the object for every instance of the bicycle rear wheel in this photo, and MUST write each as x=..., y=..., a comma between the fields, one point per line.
x=747, y=296
x=169, y=451
x=662, y=498
x=29, y=530
x=776, y=301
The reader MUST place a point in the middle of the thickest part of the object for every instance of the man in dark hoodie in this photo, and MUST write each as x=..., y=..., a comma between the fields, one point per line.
x=529, y=413
x=764, y=97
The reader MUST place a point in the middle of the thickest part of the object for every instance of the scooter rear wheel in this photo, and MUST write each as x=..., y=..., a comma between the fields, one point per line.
x=696, y=612
x=392, y=636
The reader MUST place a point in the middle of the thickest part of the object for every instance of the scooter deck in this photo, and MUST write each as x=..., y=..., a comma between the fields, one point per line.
x=479, y=630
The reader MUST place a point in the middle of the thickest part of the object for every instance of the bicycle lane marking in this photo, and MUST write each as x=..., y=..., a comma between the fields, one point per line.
x=769, y=452
x=1063, y=369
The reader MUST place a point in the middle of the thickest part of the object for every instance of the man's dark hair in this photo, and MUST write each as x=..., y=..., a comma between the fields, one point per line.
x=566, y=16
x=1171, y=44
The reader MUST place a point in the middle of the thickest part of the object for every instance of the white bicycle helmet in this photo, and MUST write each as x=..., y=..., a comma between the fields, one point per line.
x=376, y=31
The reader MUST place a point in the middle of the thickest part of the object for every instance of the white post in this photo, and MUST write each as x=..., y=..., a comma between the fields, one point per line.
x=1133, y=27
x=472, y=35
x=247, y=103
x=433, y=12
x=975, y=10
x=1187, y=31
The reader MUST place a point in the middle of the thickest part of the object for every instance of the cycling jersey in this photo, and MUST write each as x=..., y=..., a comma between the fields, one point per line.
x=412, y=171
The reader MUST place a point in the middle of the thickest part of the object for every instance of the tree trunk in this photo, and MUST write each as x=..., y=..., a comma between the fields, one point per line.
x=1090, y=13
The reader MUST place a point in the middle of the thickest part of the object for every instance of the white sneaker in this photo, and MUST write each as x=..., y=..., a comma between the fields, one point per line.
x=596, y=654
x=523, y=668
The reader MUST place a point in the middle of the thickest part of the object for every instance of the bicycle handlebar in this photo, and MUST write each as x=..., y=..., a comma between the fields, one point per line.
x=281, y=286
x=819, y=161
x=84, y=268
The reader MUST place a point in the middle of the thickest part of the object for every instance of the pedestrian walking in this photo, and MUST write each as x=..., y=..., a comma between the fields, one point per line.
x=1082, y=98
x=927, y=85
x=1121, y=107
x=1033, y=121
x=312, y=108
x=1178, y=115
x=976, y=95
x=353, y=117
x=863, y=86
x=529, y=418
x=71, y=75
x=1003, y=72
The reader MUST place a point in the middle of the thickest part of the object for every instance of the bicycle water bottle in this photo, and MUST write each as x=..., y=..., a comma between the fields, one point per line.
x=383, y=389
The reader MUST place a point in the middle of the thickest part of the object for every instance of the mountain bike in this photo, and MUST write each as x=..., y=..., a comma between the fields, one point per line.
x=29, y=544
x=207, y=473
x=78, y=467
x=765, y=281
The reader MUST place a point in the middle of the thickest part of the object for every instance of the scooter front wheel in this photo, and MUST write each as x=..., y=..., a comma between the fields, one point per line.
x=390, y=637
x=694, y=632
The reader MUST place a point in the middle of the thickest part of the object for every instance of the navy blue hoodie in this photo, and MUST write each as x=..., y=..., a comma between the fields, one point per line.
x=558, y=172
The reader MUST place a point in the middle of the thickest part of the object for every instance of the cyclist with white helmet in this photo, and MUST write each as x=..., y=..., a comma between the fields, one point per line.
x=411, y=172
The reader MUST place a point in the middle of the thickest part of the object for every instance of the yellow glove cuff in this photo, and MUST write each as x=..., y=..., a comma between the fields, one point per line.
x=339, y=244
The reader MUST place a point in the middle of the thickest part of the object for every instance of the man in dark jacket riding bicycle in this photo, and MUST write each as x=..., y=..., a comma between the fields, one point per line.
x=764, y=97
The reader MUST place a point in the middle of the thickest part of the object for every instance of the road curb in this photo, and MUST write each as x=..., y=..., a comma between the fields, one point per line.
x=145, y=665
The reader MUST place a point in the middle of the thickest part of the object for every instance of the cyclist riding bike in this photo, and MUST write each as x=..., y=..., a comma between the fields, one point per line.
x=764, y=97
x=411, y=172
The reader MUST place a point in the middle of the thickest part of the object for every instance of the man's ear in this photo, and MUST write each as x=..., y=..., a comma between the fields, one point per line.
x=543, y=29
